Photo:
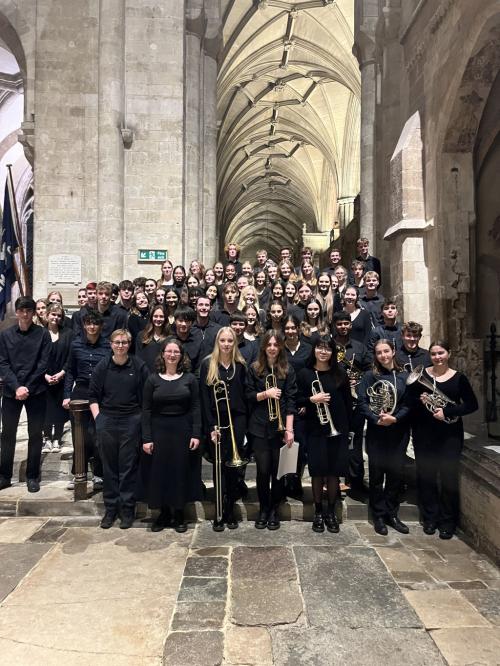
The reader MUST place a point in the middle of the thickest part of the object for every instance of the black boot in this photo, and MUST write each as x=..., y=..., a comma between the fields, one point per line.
x=163, y=519
x=261, y=521
x=273, y=522
x=332, y=524
x=230, y=518
x=179, y=522
x=318, y=524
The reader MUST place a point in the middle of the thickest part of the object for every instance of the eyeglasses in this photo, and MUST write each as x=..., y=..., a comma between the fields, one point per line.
x=120, y=343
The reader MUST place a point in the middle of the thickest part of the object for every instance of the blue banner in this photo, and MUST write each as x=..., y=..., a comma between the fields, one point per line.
x=7, y=249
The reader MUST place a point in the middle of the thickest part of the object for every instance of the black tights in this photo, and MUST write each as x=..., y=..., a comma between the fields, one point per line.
x=269, y=488
x=332, y=487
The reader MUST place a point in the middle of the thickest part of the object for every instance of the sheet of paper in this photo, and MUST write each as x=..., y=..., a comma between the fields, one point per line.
x=288, y=460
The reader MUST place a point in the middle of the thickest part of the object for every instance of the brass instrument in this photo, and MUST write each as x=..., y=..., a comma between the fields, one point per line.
x=340, y=353
x=218, y=477
x=382, y=396
x=324, y=414
x=273, y=404
x=354, y=375
x=437, y=399
x=221, y=395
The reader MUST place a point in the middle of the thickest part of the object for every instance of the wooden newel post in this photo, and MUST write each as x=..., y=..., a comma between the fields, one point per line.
x=78, y=408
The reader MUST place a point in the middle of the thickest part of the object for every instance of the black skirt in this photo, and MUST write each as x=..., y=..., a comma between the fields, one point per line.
x=171, y=476
x=327, y=456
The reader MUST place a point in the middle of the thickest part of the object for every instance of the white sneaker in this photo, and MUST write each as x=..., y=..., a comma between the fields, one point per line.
x=55, y=445
x=97, y=483
x=47, y=446
x=71, y=484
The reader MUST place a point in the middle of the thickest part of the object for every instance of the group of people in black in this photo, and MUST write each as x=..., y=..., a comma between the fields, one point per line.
x=233, y=362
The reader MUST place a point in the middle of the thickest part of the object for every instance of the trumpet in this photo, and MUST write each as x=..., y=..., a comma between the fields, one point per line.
x=221, y=395
x=273, y=404
x=324, y=414
x=437, y=399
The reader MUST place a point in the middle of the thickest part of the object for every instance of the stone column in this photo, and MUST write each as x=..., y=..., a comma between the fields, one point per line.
x=209, y=234
x=193, y=180
x=110, y=144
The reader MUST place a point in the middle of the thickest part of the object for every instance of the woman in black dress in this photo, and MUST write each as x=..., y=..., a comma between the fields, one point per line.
x=225, y=364
x=55, y=414
x=267, y=439
x=171, y=430
x=438, y=438
x=324, y=387
x=149, y=341
x=139, y=315
x=383, y=402
x=361, y=321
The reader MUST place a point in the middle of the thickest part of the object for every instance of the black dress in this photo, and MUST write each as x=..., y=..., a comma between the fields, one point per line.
x=149, y=352
x=55, y=414
x=171, y=416
x=327, y=456
x=438, y=447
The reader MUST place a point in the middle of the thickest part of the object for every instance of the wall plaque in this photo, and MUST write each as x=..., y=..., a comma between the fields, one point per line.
x=65, y=269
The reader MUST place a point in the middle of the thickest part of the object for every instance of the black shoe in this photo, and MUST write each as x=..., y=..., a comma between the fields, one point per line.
x=397, y=525
x=332, y=524
x=33, y=485
x=179, y=522
x=429, y=528
x=5, y=483
x=218, y=526
x=163, y=519
x=445, y=534
x=273, y=522
x=261, y=522
x=379, y=526
x=231, y=522
x=108, y=520
x=318, y=523
x=127, y=520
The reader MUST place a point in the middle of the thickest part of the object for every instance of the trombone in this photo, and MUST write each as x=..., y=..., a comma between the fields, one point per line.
x=218, y=477
x=324, y=414
x=273, y=404
x=221, y=395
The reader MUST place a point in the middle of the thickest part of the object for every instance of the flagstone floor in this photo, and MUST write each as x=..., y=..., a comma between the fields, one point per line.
x=74, y=594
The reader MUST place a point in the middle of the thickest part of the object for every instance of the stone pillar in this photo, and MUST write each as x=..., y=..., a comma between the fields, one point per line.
x=210, y=244
x=110, y=145
x=193, y=182
x=409, y=274
x=366, y=18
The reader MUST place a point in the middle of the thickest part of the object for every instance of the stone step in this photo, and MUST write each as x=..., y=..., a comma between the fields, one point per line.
x=55, y=500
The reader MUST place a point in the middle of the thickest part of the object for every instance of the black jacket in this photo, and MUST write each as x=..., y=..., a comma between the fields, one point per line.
x=259, y=424
x=24, y=359
x=403, y=401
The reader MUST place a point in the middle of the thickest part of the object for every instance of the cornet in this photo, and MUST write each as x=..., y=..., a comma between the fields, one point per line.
x=324, y=414
x=273, y=404
x=437, y=399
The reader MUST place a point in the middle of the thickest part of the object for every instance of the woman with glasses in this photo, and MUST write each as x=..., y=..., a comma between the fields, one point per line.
x=171, y=431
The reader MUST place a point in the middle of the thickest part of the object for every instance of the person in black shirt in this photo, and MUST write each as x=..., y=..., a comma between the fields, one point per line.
x=184, y=318
x=354, y=358
x=383, y=400
x=372, y=301
x=249, y=349
x=438, y=439
x=230, y=296
x=115, y=396
x=149, y=340
x=267, y=438
x=328, y=439
x=113, y=316
x=203, y=328
x=363, y=254
x=390, y=329
x=84, y=354
x=24, y=357
x=225, y=364
x=410, y=354
x=126, y=293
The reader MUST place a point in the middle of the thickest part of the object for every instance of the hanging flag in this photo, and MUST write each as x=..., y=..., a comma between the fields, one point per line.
x=7, y=248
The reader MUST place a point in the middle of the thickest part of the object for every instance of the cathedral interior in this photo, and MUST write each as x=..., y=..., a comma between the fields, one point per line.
x=185, y=125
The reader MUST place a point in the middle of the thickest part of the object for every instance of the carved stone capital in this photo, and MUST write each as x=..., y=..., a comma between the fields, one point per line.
x=26, y=138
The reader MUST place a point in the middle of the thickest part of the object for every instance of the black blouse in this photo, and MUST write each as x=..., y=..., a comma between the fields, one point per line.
x=259, y=424
x=457, y=388
x=176, y=397
x=340, y=404
x=235, y=381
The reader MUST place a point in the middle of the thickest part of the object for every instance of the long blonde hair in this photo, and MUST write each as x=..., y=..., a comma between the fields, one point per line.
x=250, y=289
x=213, y=365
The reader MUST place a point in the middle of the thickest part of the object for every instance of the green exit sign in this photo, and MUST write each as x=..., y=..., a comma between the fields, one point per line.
x=152, y=256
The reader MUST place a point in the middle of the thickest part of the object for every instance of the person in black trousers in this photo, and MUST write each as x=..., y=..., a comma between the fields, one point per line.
x=438, y=438
x=84, y=354
x=384, y=403
x=225, y=364
x=24, y=356
x=115, y=396
x=271, y=367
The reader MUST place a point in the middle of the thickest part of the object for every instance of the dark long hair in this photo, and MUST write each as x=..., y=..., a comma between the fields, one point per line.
x=261, y=366
x=334, y=369
x=377, y=367
x=147, y=333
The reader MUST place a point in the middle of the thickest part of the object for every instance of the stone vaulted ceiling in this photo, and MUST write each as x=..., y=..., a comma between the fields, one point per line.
x=289, y=118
